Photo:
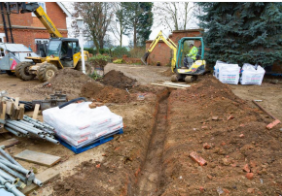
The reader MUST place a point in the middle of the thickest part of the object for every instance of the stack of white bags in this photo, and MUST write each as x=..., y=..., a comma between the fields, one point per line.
x=78, y=125
x=230, y=73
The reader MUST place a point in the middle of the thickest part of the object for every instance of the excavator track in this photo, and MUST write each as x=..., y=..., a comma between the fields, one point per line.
x=189, y=79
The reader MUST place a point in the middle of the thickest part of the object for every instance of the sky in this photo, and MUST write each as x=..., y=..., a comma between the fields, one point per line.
x=156, y=27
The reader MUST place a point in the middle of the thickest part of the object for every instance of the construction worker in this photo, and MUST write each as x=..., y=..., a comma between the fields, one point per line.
x=191, y=57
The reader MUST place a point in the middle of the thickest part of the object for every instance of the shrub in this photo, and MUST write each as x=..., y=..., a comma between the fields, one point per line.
x=99, y=61
x=137, y=52
x=101, y=51
x=118, y=61
x=90, y=50
x=95, y=75
x=120, y=51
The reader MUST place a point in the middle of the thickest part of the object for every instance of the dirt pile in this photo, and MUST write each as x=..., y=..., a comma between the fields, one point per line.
x=90, y=89
x=229, y=134
x=68, y=81
x=106, y=94
x=119, y=80
x=109, y=94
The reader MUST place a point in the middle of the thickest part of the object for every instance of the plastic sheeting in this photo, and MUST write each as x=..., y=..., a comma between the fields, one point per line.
x=227, y=73
x=252, y=74
x=78, y=125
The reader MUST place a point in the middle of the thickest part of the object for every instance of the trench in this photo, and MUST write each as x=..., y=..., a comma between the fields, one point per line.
x=150, y=180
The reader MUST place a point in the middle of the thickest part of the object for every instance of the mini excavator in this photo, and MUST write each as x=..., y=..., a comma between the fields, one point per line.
x=181, y=73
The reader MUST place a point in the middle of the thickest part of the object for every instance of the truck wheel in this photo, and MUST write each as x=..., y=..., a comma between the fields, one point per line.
x=21, y=71
x=88, y=67
x=46, y=71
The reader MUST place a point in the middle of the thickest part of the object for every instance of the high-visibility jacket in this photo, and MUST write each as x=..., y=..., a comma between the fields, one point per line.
x=193, y=53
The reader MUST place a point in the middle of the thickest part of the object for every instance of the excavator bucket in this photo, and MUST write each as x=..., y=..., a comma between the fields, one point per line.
x=145, y=57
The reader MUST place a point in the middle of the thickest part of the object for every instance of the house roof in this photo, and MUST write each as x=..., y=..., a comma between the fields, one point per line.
x=64, y=9
x=14, y=47
x=187, y=30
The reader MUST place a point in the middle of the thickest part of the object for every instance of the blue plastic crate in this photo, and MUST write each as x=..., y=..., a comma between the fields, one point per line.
x=97, y=142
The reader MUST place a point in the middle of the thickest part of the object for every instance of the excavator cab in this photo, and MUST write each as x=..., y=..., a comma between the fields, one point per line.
x=196, y=67
x=61, y=53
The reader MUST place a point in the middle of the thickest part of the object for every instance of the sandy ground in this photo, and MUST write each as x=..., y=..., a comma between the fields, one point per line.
x=270, y=94
x=17, y=88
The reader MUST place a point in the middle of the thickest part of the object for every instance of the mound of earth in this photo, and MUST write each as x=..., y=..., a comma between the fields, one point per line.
x=242, y=156
x=68, y=81
x=105, y=94
x=90, y=89
x=118, y=80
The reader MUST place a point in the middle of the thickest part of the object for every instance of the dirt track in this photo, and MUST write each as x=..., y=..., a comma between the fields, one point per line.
x=152, y=156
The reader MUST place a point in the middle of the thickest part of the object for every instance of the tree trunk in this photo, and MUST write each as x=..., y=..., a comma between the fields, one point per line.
x=96, y=44
x=186, y=13
x=101, y=43
x=134, y=37
x=120, y=34
x=120, y=39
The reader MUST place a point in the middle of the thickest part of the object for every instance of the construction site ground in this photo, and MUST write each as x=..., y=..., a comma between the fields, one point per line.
x=218, y=122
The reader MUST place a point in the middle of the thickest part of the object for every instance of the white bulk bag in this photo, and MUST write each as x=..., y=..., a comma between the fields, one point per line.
x=79, y=125
x=252, y=75
x=216, y=68
x=229, y=74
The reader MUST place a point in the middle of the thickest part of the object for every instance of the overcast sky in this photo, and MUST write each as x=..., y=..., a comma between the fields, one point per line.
x=155, y=28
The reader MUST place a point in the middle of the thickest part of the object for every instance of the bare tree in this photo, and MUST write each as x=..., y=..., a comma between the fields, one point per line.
x=97, y=17
x=174, y=15
x=117, y=26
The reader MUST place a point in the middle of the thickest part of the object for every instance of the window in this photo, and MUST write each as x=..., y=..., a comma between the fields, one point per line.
x=43, y=5
x=54, y=48
x=76, y=47
x=41, y=41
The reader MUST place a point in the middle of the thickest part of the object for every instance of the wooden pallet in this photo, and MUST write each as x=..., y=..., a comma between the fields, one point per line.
x=97, y=142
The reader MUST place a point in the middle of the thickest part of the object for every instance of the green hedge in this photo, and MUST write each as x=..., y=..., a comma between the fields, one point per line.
x=120, y=51
x=101, y=51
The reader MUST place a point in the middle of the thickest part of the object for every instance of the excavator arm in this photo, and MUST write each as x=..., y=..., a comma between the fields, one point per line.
x=168, y=42
x=42, y=16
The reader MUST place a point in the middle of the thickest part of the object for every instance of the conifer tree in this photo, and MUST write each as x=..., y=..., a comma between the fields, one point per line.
x=242, y=32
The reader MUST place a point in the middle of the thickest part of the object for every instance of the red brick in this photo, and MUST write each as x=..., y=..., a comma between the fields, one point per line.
x=246, y=168
x=27, y=36
x=198, y=159
x=250, y=176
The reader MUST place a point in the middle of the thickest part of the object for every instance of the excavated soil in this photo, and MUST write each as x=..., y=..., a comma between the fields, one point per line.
x=68, y=81
x=229, y=134
x=106, y=94
x=118, y=173
x=119, y=80
x=152, y=156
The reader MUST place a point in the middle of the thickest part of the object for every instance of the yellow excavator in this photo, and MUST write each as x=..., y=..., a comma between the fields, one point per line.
x=181, y=72
x=61, y=52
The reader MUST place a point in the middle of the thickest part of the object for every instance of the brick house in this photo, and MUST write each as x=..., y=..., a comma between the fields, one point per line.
x=162, y=53
x=28, y=30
